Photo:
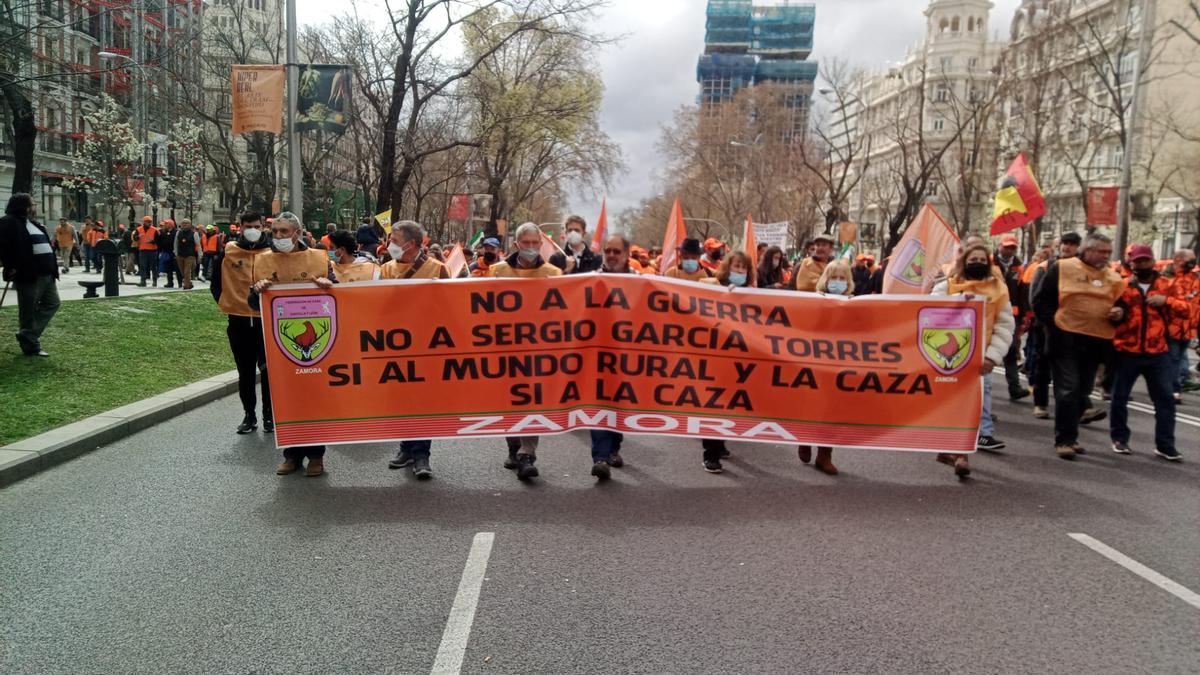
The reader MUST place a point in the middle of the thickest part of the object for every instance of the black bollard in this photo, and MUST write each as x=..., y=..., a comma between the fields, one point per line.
x=112, y=267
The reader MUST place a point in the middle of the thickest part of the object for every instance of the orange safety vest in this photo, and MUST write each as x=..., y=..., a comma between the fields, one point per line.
x=237, y=275
x=348, y=273
x=432, y=269
x=677, y=272
x=294, y=267
x=503, y=269
x=210, y=242
x=146, y=237
x=1085, y=295
x=992, y=288
x=809, y=274
x=327, y=243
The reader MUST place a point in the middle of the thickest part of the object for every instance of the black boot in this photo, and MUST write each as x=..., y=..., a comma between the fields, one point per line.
x=525, y=468
x=268, y=424
x=248, y=425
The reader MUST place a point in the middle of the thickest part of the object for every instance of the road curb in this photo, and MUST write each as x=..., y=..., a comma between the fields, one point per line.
x=32, y=455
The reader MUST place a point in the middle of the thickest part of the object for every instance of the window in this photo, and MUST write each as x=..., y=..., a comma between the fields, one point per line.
x=941, y=94
x=973, y=62
x=947, y=63
x=939, y=124
x=1127, y=68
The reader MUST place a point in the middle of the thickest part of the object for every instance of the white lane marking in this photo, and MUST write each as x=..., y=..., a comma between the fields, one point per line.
x=1179, y=591
x=462, y=614
x=1135, y=405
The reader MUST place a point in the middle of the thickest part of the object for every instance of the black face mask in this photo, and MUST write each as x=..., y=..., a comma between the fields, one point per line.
x=1189, y=266
x=1144, y=275
x=489, y=257
x=976, y=271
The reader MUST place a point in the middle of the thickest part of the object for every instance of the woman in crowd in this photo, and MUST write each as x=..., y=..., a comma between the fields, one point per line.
x=837, y=279
x=770, y=268
x=974, y=275
x=348, y=264
x=734, y=273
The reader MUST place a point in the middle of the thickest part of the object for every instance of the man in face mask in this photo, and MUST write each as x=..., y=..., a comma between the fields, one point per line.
x=714, y=251
x=291, y=261
x=1075, y=302
x=577, y=258
x=232, y=273
x=688, y=268
x=1144, y=313
x=1185, y=285
x=810, y=271
x=488, y=255
x=409, y=258
x=527, y=262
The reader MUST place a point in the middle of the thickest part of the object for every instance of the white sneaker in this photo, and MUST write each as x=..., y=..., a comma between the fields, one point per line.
x=1041, y=413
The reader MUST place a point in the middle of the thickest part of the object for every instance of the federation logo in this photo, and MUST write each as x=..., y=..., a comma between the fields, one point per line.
x=947, y=337
x=305, y=326
x=909, y=265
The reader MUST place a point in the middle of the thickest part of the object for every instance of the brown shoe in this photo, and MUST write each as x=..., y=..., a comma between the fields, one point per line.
x=1079, y=449
x=805, y=452
x=824, y=461
x=316, y=467
x=1065, y=451
x=961, y=468
x=945, y=458
x=286, y=467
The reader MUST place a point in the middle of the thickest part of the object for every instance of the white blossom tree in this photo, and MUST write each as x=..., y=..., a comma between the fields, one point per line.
x=108, y=159
x=185, y=166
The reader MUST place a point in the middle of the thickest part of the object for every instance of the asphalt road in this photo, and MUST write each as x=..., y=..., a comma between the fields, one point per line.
x=179, y=551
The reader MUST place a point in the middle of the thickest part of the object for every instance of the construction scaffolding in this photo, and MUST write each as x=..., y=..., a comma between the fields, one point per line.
x=747, y=43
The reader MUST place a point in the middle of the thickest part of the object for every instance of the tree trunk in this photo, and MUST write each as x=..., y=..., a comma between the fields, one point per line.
x=24, y=133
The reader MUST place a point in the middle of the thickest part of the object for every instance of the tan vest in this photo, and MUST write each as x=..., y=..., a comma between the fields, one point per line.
x=809, y=274
x=677, y=272
x=432, y=269
x=237, y=276
x=349, y=273
x=503, y=269
x=290, y=268
x=992, y=288
x=1085, y=294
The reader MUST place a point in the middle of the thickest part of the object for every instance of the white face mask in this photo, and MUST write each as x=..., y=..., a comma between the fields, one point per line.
x=395, y=251
x=574, y=238
x=252, y=234
x=283, y=245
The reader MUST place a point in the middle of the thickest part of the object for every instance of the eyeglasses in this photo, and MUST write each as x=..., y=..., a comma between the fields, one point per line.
x=614, y=251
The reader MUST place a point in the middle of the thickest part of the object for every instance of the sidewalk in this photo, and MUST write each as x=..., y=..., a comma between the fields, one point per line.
x=69, y=288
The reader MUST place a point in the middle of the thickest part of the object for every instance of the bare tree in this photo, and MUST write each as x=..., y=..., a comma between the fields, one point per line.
x=837, y=158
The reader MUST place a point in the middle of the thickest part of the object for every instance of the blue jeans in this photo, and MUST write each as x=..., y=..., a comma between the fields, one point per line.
x=1178, y=349
x=1158, y=369
x=605, y=443
x=87, y=258
x=417, y=449
x=986, y=426
x=148, y=265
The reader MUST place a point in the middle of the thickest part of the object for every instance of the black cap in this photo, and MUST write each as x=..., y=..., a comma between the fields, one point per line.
x=1071, y=238
x=691, y=246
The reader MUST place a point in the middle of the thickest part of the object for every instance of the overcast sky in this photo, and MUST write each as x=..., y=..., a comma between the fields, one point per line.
x=653, y=70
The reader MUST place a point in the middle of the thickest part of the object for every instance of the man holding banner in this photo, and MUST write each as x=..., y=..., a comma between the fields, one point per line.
x=526, y=263
x=813, y=266
x=689, y=267
x=291, y=261
x=410, y=260
x=581, y=259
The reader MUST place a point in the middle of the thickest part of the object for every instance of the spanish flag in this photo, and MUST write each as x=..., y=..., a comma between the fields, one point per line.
x=1020, y=199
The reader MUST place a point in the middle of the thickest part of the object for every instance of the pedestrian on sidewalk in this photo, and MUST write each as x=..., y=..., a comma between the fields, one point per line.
x=973, y=276
x=187, y=246
x=1075, y=301
x=526, y=262
x=94, y=234
x=85, y=240
x=146, y=238
x=411, y=260
x=1145, y=311
x=211, y=243
x=29, y=264
x=64, y=235
x=125, y=247
x=233, y=274
x=289, y=261
x=166, y=253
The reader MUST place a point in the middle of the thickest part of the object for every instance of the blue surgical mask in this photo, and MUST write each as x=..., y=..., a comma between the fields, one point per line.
x=837, y=287
x=334, y=256
x=529, y=254
x=690, y=266
x=737, y=278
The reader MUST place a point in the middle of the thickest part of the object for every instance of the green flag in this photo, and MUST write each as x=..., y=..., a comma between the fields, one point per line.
x=476, y=239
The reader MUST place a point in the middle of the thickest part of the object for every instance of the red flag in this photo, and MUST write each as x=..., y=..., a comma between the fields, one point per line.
x=456, y=261
x=1019, y=201
x=750, y=246
x=928, y=244
x=601, y=228
x=673, y=239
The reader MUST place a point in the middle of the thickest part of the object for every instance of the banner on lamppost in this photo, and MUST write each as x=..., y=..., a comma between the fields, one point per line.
x=1102, y=205
x=322, y=96
x=460, y=207
x=257, y=98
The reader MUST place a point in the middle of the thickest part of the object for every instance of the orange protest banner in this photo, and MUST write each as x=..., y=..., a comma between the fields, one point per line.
x=257, y=99
x=382, y=361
